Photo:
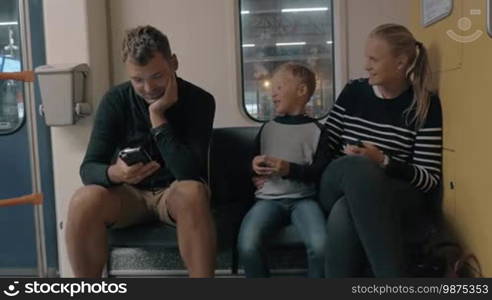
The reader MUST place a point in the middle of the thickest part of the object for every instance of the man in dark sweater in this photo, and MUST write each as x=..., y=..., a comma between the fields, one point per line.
x=171, y=119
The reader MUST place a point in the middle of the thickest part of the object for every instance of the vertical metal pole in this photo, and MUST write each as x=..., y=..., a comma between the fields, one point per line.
x=31, y=121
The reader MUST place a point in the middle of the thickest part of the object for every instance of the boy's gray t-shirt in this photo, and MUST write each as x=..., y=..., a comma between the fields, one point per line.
x=294, y=139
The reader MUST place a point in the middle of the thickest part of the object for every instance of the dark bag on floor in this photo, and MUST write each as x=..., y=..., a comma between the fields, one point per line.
x=446, y=259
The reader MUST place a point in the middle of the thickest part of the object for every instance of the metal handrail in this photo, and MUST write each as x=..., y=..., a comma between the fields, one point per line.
x=35, y=199
x=26, y=76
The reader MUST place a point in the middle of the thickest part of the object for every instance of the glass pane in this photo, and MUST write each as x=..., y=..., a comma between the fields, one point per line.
x=277, y=31
x=11, y=91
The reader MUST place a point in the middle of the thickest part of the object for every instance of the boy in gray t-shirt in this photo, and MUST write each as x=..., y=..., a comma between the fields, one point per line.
x=293, y=152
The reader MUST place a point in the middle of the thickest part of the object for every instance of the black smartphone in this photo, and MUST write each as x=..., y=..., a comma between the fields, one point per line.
x=263, y=164
x=357, y=143
x=133, y=156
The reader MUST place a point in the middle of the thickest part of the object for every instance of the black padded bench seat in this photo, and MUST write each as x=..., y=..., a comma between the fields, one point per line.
x=152, y=250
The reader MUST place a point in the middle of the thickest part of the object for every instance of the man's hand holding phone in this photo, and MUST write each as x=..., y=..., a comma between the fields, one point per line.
x=132, y=168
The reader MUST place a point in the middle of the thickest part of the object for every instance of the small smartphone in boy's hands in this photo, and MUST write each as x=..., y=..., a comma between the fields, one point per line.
x=263, y=164
x=135, y=155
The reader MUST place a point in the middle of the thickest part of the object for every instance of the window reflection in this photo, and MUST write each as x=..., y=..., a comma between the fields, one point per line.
x=277, y=31
x=11, y=91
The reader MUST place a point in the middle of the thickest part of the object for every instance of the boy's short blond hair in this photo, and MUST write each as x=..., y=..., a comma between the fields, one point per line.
x=304, y=73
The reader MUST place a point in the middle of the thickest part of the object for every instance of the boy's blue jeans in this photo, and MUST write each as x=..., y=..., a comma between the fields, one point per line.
x=266, y=218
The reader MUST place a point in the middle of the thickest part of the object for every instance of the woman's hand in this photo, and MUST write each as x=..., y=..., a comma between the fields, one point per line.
x=369, y=150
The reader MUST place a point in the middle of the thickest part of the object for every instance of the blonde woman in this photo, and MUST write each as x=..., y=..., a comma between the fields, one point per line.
x=387, y=133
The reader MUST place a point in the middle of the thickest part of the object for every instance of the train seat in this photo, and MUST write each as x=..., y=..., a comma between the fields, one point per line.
x=152, y=250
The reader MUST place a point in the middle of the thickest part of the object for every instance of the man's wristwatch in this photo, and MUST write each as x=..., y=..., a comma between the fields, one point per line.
x=156, y=131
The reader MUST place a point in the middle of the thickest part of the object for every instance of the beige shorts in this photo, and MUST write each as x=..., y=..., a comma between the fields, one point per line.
x=142, y=206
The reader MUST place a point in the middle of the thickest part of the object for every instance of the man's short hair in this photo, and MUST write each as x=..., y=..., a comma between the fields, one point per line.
x=142, y=42
x=304, y=73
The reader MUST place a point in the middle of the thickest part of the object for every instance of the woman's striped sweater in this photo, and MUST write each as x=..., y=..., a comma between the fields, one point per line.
x=415, y=154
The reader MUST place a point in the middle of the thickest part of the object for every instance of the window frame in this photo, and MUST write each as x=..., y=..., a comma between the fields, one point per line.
x=340, y=61
x=22, y=59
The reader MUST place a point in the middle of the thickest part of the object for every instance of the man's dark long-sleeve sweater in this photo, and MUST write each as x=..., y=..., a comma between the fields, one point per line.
x=180, y=147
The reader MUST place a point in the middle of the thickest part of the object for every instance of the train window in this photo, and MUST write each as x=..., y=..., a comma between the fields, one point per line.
x=11, y=91
x=277, y=31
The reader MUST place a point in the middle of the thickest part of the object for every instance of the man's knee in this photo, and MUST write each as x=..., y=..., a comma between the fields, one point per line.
x=188, y=197
x=90, y=202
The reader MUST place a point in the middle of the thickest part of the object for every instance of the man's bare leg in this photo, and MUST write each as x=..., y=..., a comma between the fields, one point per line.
x=91, y=209
x=189, y=204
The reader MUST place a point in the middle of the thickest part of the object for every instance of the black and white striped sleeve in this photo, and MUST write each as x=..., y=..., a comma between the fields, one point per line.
x=335, y=122
x=424, y=171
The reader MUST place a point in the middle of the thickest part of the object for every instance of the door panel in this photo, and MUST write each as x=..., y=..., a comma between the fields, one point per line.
x=18, y=244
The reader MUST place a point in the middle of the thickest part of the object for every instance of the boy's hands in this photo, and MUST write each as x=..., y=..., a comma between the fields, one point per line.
x=267, y=166
x=259, y=181
x=278, y=166
x=120, y=172
x=260, y=166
